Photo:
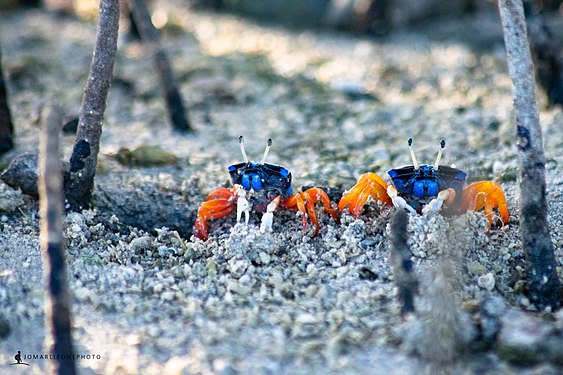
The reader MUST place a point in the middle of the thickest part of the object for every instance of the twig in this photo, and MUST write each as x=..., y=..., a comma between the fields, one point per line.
x=404, y=276
x=149, y=35
x=544, y=286
x=6, y=125
x=57, y=304
x=84, y=156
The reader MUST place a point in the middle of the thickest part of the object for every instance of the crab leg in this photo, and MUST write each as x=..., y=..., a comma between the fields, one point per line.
x=297, y=200
x=445, y=198
x=242, y=204
x=305, y=203
x=268, y=217
x=312, y=215
x=486, y=195
x=315, y=195
x=369, y=184
x=310, y=201
x=398, y=201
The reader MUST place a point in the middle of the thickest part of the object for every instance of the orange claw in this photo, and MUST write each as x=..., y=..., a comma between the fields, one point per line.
x=368, y=185
x=221, y=193
x=486, y=195
x=305, y=203
x=219, y=203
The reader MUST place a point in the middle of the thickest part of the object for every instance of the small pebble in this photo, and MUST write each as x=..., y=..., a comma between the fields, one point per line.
x=486, y=281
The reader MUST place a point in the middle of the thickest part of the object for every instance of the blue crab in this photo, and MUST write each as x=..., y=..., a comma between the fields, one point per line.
x=421, y=187
x=261, y=187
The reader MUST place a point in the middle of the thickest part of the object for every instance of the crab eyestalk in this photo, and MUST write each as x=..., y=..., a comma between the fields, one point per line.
x=241, y=144
x=442, y=147
x=411, y=151
x=268, y=145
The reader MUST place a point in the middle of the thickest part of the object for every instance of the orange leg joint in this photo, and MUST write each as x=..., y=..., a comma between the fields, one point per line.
x=305, y=203
x=486, y=195
x=219, y=203
x=368, y=185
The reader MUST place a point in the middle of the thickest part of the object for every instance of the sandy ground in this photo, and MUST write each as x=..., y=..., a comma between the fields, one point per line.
x=150, y=298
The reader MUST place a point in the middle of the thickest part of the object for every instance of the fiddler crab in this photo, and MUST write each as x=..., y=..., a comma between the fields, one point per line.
x=421, y=188
x=418, y=188
x=261, y=187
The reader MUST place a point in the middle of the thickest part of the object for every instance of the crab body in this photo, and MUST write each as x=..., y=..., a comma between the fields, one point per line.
x=267, y=181
x=419, y=186
x=260, y=187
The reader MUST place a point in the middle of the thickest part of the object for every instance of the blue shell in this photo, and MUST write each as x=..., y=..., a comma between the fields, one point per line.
x=272, y=179
x=424, y=184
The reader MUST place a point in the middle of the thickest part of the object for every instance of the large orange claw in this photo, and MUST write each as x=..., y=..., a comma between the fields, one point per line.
x=486, y=195
x=368, y=185
x=219, y=203
x=305, y=203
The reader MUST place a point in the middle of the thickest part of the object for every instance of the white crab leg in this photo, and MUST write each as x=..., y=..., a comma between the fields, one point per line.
x=398, y=201
x=242, y=204
x=268, y=217
x=445, y=197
